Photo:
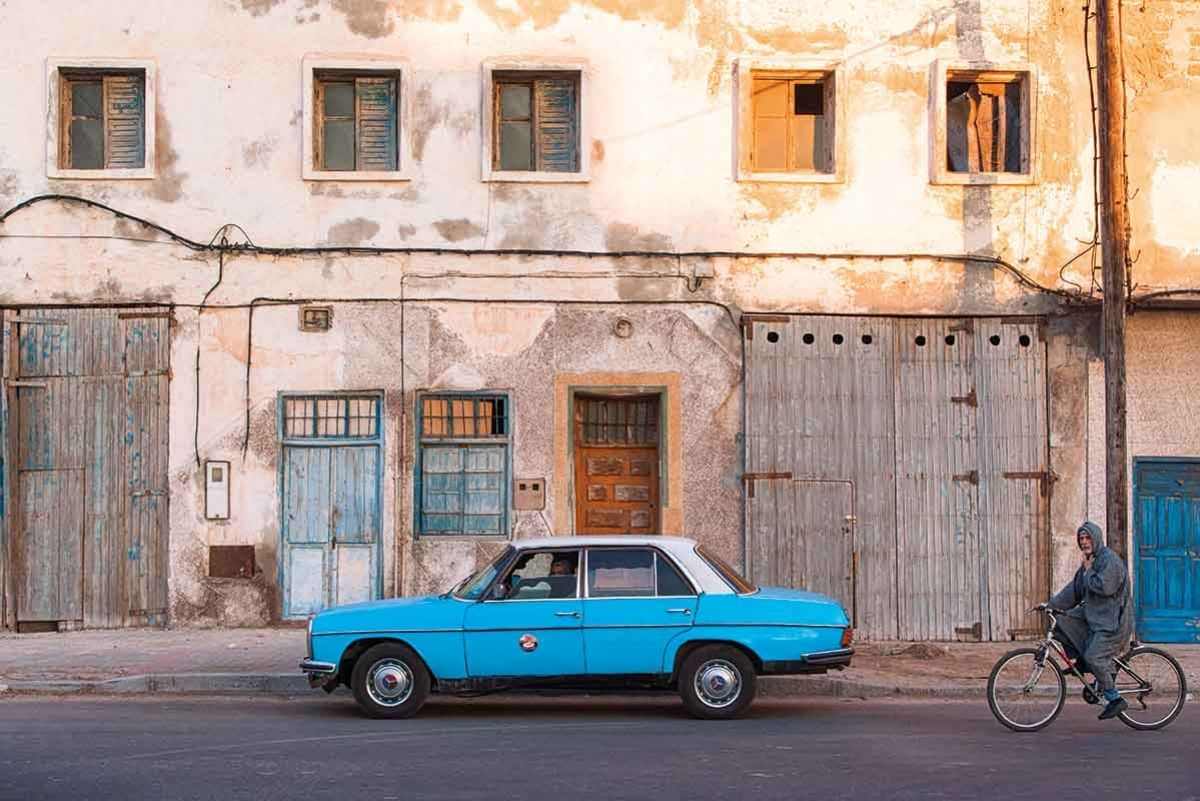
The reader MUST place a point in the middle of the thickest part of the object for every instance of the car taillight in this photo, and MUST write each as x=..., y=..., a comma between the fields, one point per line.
x=847, y=636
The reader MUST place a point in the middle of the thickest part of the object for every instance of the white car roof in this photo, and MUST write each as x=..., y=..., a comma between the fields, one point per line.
x=681, y=548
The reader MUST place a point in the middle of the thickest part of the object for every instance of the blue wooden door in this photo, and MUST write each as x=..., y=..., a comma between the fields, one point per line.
x=330, y=526
x=1166, y=519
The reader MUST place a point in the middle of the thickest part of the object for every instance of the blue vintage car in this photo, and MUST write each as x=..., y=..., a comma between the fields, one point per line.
x=576, y=612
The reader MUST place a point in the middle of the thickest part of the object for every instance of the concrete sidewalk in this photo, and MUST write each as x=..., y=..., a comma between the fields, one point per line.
x=265, y=661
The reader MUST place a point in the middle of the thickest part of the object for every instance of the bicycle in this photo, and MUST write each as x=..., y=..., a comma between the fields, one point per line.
x=1027, y=688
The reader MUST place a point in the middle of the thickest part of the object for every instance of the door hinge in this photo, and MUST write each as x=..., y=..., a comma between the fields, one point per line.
x=750, y=478
x=971, y=477
x=970, y=399
x=1045, y=477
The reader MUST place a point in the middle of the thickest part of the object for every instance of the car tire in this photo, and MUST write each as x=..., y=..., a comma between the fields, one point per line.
x=717, y=682
x=390, y=681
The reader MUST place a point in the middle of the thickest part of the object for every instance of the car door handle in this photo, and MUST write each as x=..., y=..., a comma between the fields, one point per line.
x=566, y=614
x=683, y=610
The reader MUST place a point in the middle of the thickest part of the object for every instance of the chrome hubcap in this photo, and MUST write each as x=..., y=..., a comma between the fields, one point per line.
x=718, y=683
x=389, y=682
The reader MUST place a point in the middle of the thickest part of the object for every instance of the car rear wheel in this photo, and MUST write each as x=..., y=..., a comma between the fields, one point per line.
x=390, y=681
x=717, y=682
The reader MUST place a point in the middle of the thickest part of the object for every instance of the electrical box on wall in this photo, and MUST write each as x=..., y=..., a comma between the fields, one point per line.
x=216, y=490
x=529, y=494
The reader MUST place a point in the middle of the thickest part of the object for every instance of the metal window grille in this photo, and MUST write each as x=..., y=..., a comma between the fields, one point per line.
x=450, y=417
x=331, y=417
x=617, y=421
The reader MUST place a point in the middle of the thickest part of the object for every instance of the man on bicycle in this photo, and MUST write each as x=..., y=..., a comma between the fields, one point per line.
x=1097, y=621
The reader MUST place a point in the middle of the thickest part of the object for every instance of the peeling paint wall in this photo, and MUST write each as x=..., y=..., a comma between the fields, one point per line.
x=662, y=145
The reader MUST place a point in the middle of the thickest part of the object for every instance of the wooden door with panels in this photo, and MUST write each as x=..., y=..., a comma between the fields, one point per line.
x=616, y=464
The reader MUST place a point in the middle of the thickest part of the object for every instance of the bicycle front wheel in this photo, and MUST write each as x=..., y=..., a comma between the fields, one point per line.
x=1026, y=689
x=1155, y=687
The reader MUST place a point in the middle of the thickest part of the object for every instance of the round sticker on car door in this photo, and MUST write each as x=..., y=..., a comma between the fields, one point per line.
x=527, y=642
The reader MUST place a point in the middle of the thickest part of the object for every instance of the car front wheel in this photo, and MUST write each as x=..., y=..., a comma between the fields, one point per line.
x=390, y=681
x=717, y=682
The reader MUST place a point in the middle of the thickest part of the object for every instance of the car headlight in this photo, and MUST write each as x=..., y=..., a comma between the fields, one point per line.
x=308, y=635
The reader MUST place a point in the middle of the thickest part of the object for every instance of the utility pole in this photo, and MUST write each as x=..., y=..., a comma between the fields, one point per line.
x=1114, y=235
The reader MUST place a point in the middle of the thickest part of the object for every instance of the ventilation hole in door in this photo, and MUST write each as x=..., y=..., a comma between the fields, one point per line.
x=867, y=339
x=772, y=337
x=838, y=339
x=920, y=340
x=1024, y=340
x=994, y=339
x=808, y=339
x=949, y=339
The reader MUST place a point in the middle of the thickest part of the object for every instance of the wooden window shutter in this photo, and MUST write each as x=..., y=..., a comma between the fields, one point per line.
x=377, y=145
x=557, y=125
x=124, y=121
x=771, y=104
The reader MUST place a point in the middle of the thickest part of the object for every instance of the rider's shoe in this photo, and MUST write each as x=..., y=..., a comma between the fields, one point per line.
x=1114, y=708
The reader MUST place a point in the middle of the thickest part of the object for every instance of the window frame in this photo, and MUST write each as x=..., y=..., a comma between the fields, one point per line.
x=489, y=126
x=511, y=565
x=313, y=68
x=421, y=442
x=832, y=74
x=944, y=72
x=58, y=71
x=658, y=554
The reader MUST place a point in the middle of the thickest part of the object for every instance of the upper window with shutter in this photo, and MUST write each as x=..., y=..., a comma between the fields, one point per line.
x=104, y=127
x=354, y=119
x=790, y=125
x=984, y=124
x=536, y=125
x=536, y=122
x=356, y=122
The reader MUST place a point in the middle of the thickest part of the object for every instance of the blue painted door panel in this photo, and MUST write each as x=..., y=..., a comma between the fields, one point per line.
x=630, y=635
x=1167, y=540
x=330, y=526
x=494, y=628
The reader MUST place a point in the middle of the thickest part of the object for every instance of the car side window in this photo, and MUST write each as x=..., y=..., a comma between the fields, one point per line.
x=540, y=575
x=621, y=573
x=670, y=581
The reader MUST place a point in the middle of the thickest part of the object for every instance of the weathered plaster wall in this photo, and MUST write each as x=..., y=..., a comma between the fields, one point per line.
x=662, y=126
x=1163, y=374
x=451, y=346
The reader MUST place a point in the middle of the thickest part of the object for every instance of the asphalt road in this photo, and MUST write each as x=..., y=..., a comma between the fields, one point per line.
x=507, y=747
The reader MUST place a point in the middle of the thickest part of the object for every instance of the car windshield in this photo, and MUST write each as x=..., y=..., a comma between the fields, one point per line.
x=731, y=576
x=472, y=587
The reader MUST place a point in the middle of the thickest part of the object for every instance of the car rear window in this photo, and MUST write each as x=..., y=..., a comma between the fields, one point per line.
x=731, y=576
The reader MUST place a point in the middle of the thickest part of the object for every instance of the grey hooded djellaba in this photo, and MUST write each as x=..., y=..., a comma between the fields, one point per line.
x=1098, y=620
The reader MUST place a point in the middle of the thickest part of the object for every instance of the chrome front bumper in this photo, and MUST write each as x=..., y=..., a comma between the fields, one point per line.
x=321, y=668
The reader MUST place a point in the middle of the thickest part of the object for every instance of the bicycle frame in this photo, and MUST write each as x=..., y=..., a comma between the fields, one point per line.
x=1072, y=667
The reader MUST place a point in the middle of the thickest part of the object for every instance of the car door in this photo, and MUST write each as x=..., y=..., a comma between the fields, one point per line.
x=637, y=600
x=530, y=624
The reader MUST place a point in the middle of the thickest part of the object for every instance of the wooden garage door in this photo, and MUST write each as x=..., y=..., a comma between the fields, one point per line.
x=88, y=391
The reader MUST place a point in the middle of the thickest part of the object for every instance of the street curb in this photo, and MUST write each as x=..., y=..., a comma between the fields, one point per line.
x=825, y=687
x=295, y=683
x=152, y=683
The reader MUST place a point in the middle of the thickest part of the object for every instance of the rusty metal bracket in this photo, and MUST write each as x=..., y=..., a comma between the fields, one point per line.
x=162, y=315
x=966, y=327
x=748, y=321
x=971, y=399
x=1045, y=477
x=749, y=478
x=26, y=384
x=971, y=477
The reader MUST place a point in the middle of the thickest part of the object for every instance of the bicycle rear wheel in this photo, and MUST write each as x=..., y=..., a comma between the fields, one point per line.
x=1155, y=687
x=1026, y=689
